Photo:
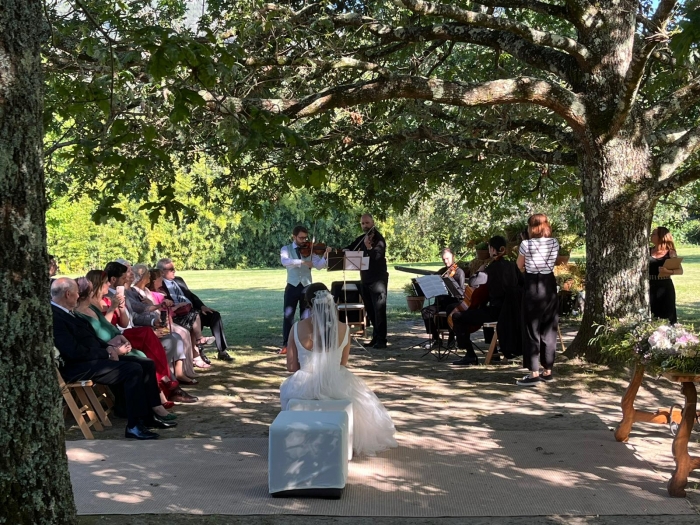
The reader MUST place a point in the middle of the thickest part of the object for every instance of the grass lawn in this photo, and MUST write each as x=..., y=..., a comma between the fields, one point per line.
x=250, y=301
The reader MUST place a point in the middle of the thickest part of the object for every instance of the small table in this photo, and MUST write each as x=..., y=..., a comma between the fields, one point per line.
x=685, y=463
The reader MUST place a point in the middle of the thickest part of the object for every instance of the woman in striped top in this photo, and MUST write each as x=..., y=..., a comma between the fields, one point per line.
x=537, y=256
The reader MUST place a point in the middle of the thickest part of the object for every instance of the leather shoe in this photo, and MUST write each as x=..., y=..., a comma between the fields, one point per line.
x=466, y=361
x=139, y=432
x=379, y=345
x=157, y=422
x=180, y=396
x=224, y=356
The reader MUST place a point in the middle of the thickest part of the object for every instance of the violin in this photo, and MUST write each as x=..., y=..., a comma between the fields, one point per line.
x=451, y=271
x=317, y=248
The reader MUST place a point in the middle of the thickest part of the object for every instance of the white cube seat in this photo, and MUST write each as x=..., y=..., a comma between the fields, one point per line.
x=308, y=454
x=326, y=405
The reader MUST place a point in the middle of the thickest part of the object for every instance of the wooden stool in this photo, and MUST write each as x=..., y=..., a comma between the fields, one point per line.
x=494, y=341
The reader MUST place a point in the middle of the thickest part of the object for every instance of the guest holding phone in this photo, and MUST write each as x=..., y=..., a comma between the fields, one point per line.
x=662, y=293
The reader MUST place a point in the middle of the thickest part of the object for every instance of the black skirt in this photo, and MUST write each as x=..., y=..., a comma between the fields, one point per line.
x=662, y=299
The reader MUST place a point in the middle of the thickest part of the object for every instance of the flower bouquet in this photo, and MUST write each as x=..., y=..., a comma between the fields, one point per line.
x=657, y=346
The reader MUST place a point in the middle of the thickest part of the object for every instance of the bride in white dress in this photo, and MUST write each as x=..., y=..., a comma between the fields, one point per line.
x=318, y=355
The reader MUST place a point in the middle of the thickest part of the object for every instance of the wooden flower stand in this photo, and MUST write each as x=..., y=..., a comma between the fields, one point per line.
x=685, y=463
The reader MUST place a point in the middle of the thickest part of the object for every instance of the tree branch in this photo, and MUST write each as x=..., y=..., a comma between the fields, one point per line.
x=505, y=91
x=543, y=58
x=292, y=61
x=677, y=153
x=544, y=8
x=641, y=57
x=502, y=148
x=473, y=19
x=679, y=101
x=495, y=147
x=678, y=180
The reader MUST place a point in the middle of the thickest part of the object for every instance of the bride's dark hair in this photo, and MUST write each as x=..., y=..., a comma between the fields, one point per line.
x=310, y=292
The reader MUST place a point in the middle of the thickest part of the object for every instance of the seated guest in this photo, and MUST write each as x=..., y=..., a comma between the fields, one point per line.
x=195, y=331
x=499, y=276
x=85, y=357
x=91, y=291
x=142, y=337
x=176, y=290
x=141, y=302
x=443, y=303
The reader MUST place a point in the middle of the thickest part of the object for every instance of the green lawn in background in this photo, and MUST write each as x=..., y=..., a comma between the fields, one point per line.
x=250, y=301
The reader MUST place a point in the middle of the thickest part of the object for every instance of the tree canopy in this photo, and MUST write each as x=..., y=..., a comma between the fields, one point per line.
x=377, y=102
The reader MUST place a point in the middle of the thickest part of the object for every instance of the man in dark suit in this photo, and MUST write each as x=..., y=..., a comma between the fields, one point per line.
x=84, y=356
x=375, y=280
x=176, y=290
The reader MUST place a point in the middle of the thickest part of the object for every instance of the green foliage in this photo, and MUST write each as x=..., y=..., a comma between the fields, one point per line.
x=409, y=290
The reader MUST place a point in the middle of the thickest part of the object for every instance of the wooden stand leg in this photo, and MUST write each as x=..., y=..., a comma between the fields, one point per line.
x=685, y=463
x=561, y=340
x=492, y=347
x=622, y=432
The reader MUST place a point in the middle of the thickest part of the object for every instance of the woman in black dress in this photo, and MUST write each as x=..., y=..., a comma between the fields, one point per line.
x=662, y=294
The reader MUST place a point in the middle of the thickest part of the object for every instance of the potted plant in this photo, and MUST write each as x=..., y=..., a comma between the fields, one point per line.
x=563, y=257
x=482, y=251
x=414, y=301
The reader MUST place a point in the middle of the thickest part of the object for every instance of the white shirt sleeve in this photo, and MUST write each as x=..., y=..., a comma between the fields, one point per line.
x=318, y=262
x=287, y=261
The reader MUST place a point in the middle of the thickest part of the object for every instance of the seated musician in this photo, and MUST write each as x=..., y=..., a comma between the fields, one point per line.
x=443, y=303
x=498, y=276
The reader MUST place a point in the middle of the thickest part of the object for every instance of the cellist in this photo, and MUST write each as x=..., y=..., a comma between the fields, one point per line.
x=443, y=303
x=498, y=276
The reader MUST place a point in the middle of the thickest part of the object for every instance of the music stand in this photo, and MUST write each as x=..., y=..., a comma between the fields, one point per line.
x=348, y=261
x=422, y=293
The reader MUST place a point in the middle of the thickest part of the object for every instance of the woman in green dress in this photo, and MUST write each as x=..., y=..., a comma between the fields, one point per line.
x=90, y=307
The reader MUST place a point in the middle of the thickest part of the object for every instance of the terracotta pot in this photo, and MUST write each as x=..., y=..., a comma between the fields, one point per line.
x=415, y=304
x=562, y=259
x=482, y=255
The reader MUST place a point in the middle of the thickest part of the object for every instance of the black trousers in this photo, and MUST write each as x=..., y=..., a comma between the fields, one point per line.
x=132, y=377
x=433, y=323
x=213, y=321
x=293, y=296
x=540, y=320
x=464, y=321
x=374, y=297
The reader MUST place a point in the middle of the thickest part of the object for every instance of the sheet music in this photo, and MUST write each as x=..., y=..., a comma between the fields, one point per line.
x=432, y=286
x=356, y=261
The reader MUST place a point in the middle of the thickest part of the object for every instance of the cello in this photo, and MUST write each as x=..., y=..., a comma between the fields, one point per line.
x=474, y=297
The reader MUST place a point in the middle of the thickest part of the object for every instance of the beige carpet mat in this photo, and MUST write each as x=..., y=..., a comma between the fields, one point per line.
x=488, y=474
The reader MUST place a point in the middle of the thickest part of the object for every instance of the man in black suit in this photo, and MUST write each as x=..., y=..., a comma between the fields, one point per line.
x=84, y=356
x=176, y=290
x=375, y=280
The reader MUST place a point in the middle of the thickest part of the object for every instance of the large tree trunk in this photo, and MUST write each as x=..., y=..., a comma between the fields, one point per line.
x=34, y=482
x=618, y=212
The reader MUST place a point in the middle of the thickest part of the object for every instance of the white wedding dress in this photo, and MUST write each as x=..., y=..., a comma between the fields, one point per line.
x=373, y=429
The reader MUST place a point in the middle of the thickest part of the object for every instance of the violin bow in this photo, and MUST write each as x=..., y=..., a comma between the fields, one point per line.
x=363, y=238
